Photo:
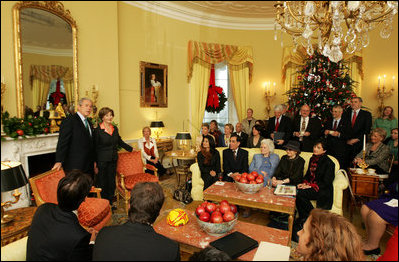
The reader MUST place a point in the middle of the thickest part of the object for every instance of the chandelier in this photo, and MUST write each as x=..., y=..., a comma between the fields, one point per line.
x=321, y=22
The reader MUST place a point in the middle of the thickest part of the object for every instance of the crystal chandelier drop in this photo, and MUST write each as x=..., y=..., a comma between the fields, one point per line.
x=322, y=21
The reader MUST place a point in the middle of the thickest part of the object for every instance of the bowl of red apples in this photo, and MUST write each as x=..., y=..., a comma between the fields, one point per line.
x=216, y=219
x=249, y=183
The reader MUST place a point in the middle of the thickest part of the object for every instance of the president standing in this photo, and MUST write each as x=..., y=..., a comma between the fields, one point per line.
x=75, y=148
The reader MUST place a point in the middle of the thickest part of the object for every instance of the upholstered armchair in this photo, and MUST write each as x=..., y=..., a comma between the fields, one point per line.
x=130, y=170
x=92, y=213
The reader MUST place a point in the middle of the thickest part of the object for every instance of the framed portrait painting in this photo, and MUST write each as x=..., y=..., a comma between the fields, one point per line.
x=154, y=85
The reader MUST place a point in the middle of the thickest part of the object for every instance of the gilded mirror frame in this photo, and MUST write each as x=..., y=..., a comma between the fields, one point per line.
x=57, y=8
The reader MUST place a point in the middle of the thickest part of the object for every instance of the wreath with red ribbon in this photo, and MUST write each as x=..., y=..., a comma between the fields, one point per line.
x=216, y=100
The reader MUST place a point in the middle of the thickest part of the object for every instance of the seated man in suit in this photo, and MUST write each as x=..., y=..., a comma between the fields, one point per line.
x=136, y=240
x=307, y=130
x=280, y=125
x=55, y=233
x=360, y=124
x=243, y=136
x=336, y=132
x=235, y=159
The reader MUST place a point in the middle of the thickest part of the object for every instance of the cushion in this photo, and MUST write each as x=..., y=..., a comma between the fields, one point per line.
x=47, y=186
x=132, y=180
x=129, y=163
x=92, y=211
x=15, y=251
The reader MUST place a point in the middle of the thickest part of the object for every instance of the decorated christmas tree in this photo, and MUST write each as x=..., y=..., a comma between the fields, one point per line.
x=322, y=84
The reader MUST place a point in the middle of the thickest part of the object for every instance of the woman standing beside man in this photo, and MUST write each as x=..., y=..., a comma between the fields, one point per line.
x=106, y=140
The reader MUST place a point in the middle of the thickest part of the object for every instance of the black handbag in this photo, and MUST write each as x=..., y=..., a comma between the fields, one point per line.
x=183, y=194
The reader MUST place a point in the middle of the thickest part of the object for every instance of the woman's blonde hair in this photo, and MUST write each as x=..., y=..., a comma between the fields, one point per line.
x=269, y=143
x=332, y=238
x=144, y=128
x=381, y=132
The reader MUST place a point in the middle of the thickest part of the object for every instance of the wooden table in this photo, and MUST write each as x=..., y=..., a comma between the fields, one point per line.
x=364, y=185
x=263, y=199
x=192, y=238
x=184, y=160
x=164, y=145
x=19, y=227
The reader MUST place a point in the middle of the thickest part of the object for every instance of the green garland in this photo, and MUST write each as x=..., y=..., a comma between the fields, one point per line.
x=29, y=126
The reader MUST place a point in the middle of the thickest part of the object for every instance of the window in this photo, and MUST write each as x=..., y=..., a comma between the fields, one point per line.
x=229, y=113
x=53, y=88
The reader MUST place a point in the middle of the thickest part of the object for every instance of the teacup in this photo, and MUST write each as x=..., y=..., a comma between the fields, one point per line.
x=371, y=171
x=360, y=171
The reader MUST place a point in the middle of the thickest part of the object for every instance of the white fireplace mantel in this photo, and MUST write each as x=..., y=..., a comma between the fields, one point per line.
x=22, y=148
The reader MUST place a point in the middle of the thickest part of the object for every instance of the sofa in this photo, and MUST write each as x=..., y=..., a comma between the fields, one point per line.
x=340, y=182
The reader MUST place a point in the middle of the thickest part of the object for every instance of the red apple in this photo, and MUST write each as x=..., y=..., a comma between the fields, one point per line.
x=228, y=216
x=243, y=180
x=233, y=208
x=204, y=204
x=252, y=182
x=224, y=208
x=244, y=175
x=237, y=177
x=255, y=174
x=250, y=177
x=205, y=217
x=210, y=207
x=223, y=202
x=20, y=132
x=216, y=213
x=217, y=218
x=200, y=209
x=259, y=180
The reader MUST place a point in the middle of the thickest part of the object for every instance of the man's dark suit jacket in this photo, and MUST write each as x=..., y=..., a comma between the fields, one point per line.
x=57, y=235
x=106, y=145
x=336, y=146
x=239, y=165
x=285, y=126
x=314, y=127
x=243, y=138
x=134, y=242
x=75, y=148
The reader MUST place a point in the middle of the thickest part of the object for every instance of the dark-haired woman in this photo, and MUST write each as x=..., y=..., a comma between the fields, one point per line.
x=208, y=161
x=255, y=139
x=107, y=140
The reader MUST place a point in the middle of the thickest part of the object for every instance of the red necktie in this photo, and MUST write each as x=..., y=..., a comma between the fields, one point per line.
x=277, y=124
x=335, y=125
x=353, y=118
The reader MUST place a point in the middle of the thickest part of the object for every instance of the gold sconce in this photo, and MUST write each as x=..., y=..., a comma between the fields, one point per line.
x=270, y=92
x=383, y=93
x=94, y=94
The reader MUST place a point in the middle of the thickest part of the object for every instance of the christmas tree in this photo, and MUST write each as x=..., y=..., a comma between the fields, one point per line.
x=322, y=84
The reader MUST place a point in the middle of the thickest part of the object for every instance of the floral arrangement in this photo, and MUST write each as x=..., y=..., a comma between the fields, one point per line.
x=29, y=126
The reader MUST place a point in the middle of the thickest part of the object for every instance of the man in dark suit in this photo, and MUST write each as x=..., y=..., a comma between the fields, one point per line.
x=280, y=125
x=136, y=240
x=307, y=130
x=243, y=136
x=336, y=133
x=75, y=148
x=235, y=159
x=55, y=233
x=360, y=126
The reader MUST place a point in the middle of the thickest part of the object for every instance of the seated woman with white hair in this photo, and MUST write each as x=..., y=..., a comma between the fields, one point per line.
x=266, y=162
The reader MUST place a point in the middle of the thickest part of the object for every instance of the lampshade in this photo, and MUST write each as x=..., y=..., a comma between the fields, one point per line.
x=157, y=124
x=183, y=136
x=12, y=176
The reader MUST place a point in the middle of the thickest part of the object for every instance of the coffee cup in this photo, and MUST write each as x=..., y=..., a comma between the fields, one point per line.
x=360, y=171
x=371, y=171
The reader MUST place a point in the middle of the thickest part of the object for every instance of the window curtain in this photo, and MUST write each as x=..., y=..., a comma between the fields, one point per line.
x=41, y=76
x=294, y=61
x=240, y=62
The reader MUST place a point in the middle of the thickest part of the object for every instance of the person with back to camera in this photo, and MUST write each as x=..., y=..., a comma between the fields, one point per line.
x=266, y=162
x=149, y=151
x=377, y=152
x=208, y=161
x=55, y=233
x=256, y=138
x=328, y=236
x=75, y=147
x=107, y=140
x=136, y=240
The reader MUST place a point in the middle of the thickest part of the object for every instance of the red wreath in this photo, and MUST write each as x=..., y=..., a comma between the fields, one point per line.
x=216, y=99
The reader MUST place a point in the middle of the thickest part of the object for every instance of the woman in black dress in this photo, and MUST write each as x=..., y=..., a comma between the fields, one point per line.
x=208, y=161
x=107, y=140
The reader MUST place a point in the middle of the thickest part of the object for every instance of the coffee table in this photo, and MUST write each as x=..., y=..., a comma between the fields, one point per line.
x=263, y=199
x=192, y=238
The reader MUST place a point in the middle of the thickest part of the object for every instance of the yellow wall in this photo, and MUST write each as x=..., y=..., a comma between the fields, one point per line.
x=113, y=37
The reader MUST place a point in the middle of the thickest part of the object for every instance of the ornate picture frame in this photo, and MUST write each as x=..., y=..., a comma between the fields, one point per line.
x=154, y=85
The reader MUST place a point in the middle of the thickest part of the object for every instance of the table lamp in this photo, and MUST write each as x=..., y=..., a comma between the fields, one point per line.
x=183, y=141
x=12, y=177
x=157, y=126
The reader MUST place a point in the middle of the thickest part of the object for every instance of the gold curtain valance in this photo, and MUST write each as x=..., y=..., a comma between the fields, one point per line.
x=46, y=73
x=212, y=53
x=297, y=59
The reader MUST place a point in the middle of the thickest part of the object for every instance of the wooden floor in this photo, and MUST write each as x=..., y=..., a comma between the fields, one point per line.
x=169, y=183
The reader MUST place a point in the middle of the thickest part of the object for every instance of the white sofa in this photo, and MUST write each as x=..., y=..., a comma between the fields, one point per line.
x=340, y=183
x=15, y=251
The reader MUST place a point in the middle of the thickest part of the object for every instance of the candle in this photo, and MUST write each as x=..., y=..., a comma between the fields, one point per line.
x=393, y=82
x=274, y=87
x=265, y=87
x=379, y=79
x=2, y=80
x=384, y=79
x=364, y=143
